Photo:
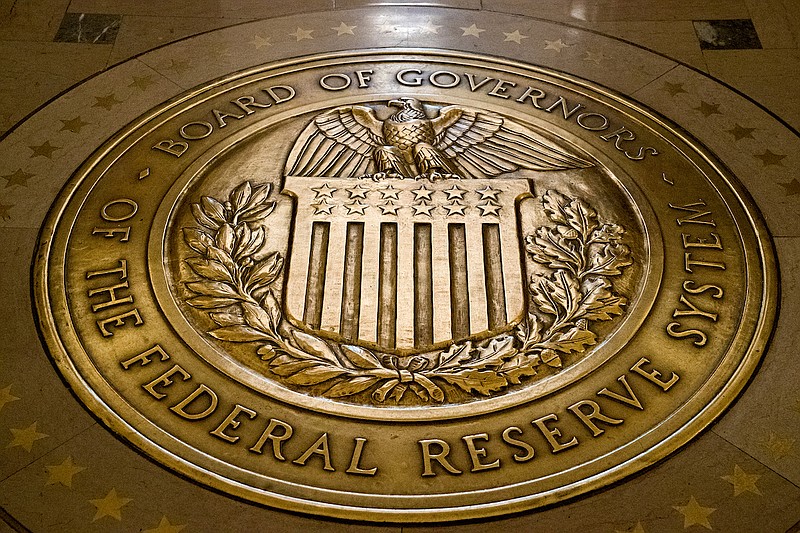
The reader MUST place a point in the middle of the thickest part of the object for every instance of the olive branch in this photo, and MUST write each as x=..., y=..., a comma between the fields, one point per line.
x=237, y=292
x=583, y=254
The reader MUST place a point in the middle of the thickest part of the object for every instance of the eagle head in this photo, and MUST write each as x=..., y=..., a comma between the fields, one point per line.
x=410, y=109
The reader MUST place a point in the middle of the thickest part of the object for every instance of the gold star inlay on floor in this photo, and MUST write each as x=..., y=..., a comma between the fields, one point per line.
x=111, y=505
x=638, y=528
x=740, y=132
x=595, y=57
x=63, y=473
x=792, y=188
x=164, y=526
x=6, y=397
x=707, y=109
x=473, y=30
x=24, y=438
x=343, y=29
x=514, y=37
x=674, y=89
x=770, y=158
x=777, y=446
x=106, y=102
x=178, y=67
x=74, y=125
x=556, y=45
x=695, y=514
x=45, y=150
x=141, y=82
x=429, y=28
x=301, y=34
x=222, y=53
x=259, y=41
x=742, y=481
x=18, y=177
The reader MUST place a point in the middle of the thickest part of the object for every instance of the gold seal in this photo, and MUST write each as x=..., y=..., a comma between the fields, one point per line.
x=405, y=286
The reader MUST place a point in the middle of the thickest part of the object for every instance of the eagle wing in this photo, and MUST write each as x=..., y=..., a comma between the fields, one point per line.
x=485, y=144
x=338, y=142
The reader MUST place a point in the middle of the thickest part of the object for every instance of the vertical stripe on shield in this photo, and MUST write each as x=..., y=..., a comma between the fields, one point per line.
x=387, y=286
x=351, y=281
x=334, y=276
x=459, y=295
x=493, y=265
x=423, y=286
x=315, y=288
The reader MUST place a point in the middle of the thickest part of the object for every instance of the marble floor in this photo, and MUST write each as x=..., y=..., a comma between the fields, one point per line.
x=46, y=49
x=726, y=70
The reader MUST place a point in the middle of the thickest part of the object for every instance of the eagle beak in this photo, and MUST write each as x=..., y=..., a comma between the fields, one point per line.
x=396, y=103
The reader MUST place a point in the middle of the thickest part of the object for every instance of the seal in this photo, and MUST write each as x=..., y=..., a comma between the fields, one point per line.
x=406, y=287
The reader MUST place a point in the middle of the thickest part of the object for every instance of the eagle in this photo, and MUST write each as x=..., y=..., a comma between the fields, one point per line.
x=352, y=141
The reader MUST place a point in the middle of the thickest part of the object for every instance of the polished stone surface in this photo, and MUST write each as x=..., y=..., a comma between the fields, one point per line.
x=736, y=34
x=93, y=28
x=62, y=471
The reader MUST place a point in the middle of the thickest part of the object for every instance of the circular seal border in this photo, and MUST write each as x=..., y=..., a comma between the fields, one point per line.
x=705, y=407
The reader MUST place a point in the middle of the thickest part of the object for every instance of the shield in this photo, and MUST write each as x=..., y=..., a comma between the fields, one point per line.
x=405, y=265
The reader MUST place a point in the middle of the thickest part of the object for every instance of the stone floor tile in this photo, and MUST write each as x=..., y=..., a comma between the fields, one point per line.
x=778, y=93
x=139, y=34
x=90, y=28
x=249, y=9
x=39, y=67
x=727, y=34
x=763, y=159
x=141, y=487
x=461, y=4
x=34, y=20
x=608, y=10
x=765, y=422
x=772, y=21
x=52, y=150
x=725, y=64
x=769, y=77
x=24, y=365
x=591, y=56
x=675, y=39
x=792, y=19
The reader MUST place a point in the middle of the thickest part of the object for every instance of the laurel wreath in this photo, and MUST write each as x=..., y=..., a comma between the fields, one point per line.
x=236, y=287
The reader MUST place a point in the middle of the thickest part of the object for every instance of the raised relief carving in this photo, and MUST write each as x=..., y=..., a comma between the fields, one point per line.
x=446, y=308
x=398, y=289
x=457, y=142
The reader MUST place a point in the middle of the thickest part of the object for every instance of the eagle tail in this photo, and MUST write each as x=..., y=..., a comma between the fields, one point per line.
x=390, y=159
x=428, y=158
